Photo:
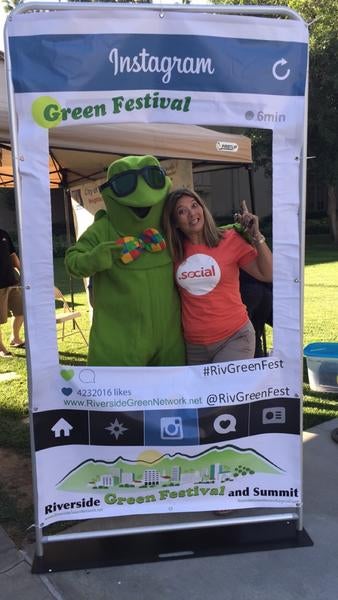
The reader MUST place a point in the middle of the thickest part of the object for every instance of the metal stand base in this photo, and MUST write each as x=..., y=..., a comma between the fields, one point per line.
x=151, y=547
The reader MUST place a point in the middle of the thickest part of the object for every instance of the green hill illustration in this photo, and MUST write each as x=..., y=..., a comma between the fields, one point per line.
x=214, y=465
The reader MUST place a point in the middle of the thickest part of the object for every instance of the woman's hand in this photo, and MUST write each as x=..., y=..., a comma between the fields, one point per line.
x=249, y=222
x=261, y=267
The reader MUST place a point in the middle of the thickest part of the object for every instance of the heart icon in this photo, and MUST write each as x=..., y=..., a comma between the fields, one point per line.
x=67, y=374
x=67, y=391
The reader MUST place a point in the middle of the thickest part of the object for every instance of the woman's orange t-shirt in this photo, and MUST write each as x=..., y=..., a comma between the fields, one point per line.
x=208, y=283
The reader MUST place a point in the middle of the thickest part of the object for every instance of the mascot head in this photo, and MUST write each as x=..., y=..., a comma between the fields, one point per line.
x=134, y=193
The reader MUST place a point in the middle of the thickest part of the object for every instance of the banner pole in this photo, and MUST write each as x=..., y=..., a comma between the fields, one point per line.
x=62, y=393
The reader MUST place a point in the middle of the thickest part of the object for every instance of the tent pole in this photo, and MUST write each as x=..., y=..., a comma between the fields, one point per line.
x=252, y=190
x=66, y=198
x=253, y=209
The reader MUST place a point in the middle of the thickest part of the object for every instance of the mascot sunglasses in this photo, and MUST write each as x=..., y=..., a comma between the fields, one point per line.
x=125, y=183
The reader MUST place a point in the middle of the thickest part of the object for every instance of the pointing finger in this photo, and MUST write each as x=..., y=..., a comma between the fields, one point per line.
x=244, y=207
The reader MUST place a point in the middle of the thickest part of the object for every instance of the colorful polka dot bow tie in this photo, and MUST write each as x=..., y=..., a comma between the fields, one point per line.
x=132, y=247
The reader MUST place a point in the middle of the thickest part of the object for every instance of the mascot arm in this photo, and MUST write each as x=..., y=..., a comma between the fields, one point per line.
x=89, y=256
x=239, y=228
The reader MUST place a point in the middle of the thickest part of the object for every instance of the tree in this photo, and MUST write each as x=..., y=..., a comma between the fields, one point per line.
x=8, y=5
x=322, y=18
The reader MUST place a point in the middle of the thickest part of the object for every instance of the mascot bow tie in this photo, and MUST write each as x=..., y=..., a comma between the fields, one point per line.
x=150, y=240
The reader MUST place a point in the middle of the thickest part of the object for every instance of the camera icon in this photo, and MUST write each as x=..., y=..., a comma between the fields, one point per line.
x=171, y=428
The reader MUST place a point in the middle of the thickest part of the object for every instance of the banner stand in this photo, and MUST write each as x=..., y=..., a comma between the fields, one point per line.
x=174, y=544
x=63, y=489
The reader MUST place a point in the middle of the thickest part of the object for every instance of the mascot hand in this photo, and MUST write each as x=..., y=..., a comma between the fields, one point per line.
x=101, y=257
x=84, y=262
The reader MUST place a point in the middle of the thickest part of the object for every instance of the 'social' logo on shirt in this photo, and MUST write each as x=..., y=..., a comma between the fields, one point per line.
x=199, y=274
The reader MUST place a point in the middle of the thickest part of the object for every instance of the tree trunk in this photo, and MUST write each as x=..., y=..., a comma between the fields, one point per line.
x=332, y=212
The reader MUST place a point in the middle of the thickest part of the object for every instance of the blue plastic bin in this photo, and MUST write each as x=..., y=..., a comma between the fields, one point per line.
x=322, y=366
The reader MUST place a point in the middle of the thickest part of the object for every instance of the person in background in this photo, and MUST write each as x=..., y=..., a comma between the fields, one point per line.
x=257, y=297
x=10, y=293
x=208, y=260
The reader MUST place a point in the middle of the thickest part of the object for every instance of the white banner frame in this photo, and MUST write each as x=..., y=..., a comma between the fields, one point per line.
x=38, y=387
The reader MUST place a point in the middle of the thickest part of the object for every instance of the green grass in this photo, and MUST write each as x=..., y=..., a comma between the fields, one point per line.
x=320, y=316
x=14, y=425
x=321, y=293
x=320, y=319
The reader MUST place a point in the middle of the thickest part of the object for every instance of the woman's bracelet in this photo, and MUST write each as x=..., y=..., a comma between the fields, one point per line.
x=259, y=240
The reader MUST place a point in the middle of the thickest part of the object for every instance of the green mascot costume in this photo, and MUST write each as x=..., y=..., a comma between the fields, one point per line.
x=136, y=312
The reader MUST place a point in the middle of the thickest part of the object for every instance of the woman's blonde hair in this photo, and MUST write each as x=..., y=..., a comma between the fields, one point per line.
x=174, y=236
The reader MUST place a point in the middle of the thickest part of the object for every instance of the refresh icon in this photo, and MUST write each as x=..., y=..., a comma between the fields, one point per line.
x=278, y=70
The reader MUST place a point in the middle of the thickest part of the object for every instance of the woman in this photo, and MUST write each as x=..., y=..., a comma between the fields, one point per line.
x=10, y=293
x=207, y=260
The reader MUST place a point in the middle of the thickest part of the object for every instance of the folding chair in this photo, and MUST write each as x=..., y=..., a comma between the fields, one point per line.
x=67, y=314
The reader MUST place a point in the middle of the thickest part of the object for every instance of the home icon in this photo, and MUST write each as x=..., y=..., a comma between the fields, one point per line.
x=62, y=427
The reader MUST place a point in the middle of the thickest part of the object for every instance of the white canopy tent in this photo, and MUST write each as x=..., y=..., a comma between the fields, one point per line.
x=79, y=153
x=82, y=153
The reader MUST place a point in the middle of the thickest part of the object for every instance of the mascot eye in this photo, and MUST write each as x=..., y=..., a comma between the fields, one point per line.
x=124, y=184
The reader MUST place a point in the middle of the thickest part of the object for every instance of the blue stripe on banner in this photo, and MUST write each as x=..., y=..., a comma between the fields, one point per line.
x=84, y=63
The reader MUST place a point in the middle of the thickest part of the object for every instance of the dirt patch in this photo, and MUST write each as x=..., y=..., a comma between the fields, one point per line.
x=16, y=477
x=17, y=494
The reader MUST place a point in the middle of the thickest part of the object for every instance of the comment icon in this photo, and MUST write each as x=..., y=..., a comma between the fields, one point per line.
x=87, y=376
x=225, y=423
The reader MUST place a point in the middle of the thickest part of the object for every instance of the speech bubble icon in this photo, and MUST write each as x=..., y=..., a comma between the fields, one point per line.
x=87, y=376
x=225, y=423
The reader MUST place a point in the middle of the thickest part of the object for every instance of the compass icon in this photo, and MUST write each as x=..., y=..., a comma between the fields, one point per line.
x=116, y=429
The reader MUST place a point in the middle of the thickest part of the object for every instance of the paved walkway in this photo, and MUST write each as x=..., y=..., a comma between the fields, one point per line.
x=290, y=574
